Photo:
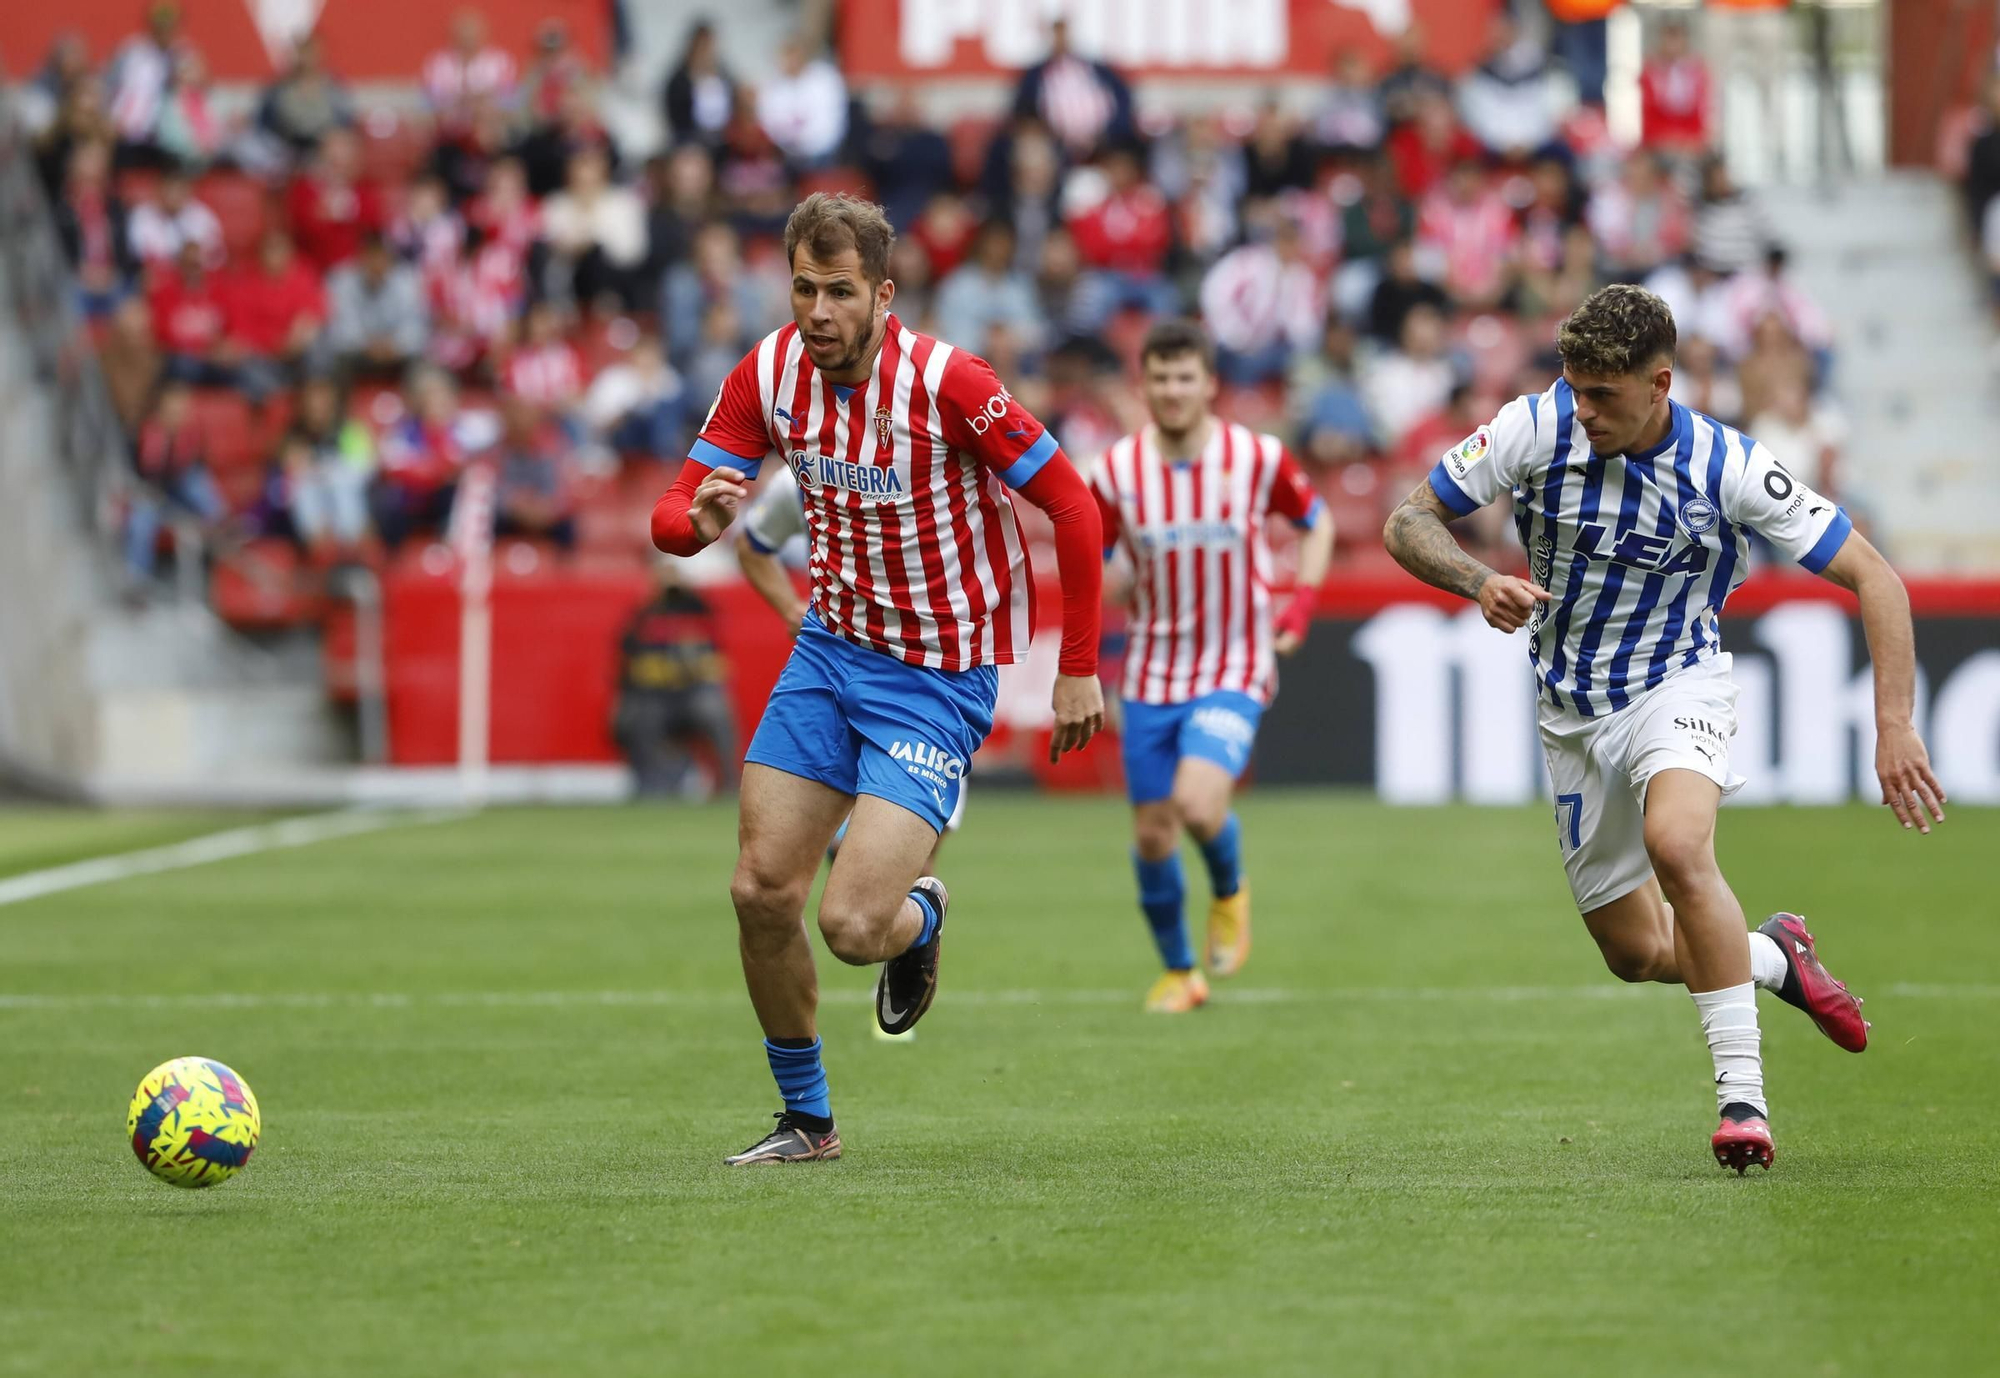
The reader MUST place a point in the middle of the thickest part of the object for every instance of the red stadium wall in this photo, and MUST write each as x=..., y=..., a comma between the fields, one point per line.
x=1399, y=688
x=366, y=40
x=951, y=38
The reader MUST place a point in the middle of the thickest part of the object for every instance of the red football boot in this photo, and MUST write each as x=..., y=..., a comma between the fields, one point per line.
x=1742, y=1138
x=1812, y=988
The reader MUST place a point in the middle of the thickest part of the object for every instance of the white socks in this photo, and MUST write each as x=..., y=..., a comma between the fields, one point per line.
x=1768, y=967
x=1729, y=1022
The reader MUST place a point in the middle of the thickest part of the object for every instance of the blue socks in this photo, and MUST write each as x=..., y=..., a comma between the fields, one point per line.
x=931, y=919
x=801, y=1080
x=1224, y=855
x=1162, y=889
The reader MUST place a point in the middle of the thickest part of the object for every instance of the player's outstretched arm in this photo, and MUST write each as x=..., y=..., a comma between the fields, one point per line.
x=1315, y=559
x=698, y=508
x=1079, y=532
x=1901, y=762
x=1416, y=535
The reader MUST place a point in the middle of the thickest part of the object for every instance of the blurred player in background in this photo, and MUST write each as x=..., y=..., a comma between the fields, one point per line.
x=1189, y=498
x=776, y=516
x=1636, y=514
x=906, y=451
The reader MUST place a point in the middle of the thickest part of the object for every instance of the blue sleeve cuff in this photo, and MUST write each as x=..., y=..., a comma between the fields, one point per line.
x=756, y=541
x=1313, y=514
x=1031, y=461
x=1450, y=493
x=1829, y=543
x=715, y=457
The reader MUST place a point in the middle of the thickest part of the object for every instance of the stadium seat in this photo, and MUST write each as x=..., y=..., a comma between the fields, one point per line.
x=1355, y=496
x=242, y=204
x=970, y=136
x=265, y=587
x=232, y=433
x=393, y=148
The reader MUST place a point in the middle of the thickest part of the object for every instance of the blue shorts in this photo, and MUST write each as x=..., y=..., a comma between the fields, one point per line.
x=1218, y=727
x=863, y=722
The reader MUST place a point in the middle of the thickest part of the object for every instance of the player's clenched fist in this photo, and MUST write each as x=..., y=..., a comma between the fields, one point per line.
x=1509, y=602
x=1079, y=705
x=716, y=500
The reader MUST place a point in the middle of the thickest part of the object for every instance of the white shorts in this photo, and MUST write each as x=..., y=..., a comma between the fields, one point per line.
x=1601, y=766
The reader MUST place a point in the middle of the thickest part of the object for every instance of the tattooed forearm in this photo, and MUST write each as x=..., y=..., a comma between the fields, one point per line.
x=1417, y=537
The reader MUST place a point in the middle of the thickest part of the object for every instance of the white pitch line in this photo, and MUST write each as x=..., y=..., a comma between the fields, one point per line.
x=222, y=846
x=571, y=999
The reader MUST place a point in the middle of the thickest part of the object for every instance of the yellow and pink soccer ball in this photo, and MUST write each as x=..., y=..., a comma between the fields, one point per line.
x=193, y=1122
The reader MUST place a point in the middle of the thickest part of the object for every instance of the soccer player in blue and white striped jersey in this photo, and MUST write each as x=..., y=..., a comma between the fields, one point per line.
x=1636, y=514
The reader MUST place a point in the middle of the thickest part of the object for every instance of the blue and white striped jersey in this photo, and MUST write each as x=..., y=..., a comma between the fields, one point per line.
x=1639, y=551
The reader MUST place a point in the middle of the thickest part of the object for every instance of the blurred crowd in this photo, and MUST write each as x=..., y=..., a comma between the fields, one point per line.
x=367, y=301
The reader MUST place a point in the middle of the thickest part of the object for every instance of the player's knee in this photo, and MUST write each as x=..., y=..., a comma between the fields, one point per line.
x=764, y=901
x=852, y=934
x=1633, y=964
x=1199, y=813
x=1157, y=840
x=1683, y=860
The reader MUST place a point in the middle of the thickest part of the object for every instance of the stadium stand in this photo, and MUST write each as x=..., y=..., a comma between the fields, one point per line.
x=1383, y=271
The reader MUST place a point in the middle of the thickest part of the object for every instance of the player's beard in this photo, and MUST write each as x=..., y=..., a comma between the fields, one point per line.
x=859, y=351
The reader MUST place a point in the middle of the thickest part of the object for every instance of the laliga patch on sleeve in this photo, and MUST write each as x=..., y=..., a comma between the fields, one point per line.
x=1468, y=452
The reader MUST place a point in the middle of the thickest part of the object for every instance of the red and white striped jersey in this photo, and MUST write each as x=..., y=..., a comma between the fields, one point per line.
x=1201, y=596
x=549, y=375
x=451, y=79
x=913, y=546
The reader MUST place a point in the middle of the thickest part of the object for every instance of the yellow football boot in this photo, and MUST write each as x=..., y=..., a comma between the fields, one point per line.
x=1177, y=992
x=1229, y=933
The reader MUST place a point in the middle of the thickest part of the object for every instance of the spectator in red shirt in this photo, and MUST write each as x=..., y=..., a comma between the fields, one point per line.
x=190, y=323
x=331, y=209
x=1675, y=96
x=546, y=369
x=1467, y=232
x=504, y=211
x=945, y=230
x=1425, y=148
x=474, y=301
x=1123, y=240
x=172, y=458
x=275, y=310
x=421, y=457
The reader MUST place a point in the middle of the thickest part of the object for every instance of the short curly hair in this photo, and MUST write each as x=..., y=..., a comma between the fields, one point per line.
x=829, y=224
x=1174, y=336
x=1618, y=330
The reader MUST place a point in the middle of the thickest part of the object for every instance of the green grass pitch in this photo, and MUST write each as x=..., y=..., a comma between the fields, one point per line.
x=500, y=1059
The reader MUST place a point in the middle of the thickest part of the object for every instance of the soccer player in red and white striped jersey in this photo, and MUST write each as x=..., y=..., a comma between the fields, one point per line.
x=907, y=454
x=1190, y=498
